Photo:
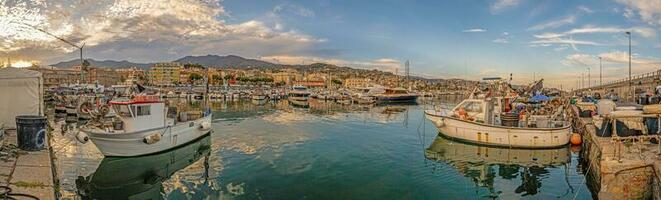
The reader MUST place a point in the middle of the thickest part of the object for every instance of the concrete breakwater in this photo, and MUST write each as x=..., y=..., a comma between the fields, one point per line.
x=619, y=167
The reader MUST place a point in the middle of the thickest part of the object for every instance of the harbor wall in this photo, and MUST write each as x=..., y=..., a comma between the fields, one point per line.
x=617, y=170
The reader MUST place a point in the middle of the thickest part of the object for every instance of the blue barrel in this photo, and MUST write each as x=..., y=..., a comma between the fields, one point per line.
x=31, y=132
x=652, y=124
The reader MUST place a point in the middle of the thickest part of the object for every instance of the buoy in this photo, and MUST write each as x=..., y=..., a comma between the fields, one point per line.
x=575, y=139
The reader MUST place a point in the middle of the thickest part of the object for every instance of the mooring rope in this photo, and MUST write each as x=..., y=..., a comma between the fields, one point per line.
x=585, y=178
x=6, y=193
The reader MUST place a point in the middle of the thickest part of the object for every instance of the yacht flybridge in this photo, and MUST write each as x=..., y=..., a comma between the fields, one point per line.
x=144, y=124
x=498, y=116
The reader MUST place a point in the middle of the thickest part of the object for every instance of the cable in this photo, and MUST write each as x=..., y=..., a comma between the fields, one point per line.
x=6, y=193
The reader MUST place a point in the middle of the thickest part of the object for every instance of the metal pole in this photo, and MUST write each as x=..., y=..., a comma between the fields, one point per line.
x=82, y=65
x=600, y=71
x=589, y=80
x=631, y=92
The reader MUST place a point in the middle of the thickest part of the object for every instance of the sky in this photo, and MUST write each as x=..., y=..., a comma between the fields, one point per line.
x=557, y=40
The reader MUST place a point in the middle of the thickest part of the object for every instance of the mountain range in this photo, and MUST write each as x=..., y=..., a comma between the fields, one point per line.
x=208, y=60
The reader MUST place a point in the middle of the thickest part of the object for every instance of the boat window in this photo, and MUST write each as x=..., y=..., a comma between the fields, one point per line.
x=141, y=110
x=122, y=110
x=473, y=107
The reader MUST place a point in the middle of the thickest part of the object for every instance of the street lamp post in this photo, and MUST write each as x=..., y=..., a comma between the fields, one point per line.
x=600, y=71
x=589, y=80
x=631, y=92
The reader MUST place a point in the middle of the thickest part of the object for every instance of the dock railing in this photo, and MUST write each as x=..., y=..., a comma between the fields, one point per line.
x=633, y=79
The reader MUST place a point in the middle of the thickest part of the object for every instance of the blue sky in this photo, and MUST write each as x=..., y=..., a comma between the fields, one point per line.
x=556, y=40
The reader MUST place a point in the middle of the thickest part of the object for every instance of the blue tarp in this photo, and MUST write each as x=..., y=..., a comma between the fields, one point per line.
x=539, y=98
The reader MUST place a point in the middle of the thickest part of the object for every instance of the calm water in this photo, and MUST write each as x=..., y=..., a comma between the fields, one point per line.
x=328, y=151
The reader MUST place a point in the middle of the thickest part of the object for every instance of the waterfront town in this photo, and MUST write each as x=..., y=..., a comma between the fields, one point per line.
x=498, y=99
x=182, y=74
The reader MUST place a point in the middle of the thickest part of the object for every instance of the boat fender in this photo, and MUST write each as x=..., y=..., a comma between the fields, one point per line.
x=205, y=126
x=82, y=137
x=439, y=123
x=153, y=138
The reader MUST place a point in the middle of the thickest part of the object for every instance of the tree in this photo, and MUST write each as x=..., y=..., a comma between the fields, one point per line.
x=339, y=82
x=193, y=65
x=195, y=77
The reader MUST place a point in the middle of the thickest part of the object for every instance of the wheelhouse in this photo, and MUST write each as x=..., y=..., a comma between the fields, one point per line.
x=140, y=113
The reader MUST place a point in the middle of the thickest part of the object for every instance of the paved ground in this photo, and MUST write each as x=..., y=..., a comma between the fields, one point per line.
x=29, y=172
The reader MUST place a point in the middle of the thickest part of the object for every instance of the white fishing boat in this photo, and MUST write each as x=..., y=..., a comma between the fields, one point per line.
x=143, y=126
x=484, y=120
x=298, y=96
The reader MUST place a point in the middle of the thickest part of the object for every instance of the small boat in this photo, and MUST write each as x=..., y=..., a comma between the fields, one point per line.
x=482, y=120
x=396, y=95
x=298, y=96
x=258, y=97
x=144, y=125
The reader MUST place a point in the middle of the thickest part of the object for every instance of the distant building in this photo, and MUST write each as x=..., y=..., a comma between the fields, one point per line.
x=165, y=73
x=356, y=82
x=286, y=77
x=54, y=76
x=102, y=76
x=311, y=84
x=129, y=75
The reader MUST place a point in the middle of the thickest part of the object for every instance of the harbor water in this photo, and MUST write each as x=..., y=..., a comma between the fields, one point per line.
x=273, y=150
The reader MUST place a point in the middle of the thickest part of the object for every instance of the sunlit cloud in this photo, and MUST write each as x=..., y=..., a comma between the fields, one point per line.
x=553, y=24
x=384, y=64
x=474, y=30
x=127, y=28
x=648, y=10
x=500, y=5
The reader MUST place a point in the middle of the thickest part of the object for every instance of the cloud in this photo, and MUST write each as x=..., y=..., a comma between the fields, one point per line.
x=585, y=9
x=488, y=71
x=500, y=5
x=504, y=38
x=144, y=29
x=474, y=30
x=623, y=57
x=643, y=31
x=564, y=41
x=383, y=64
x=580, y=60
x=294, y=9
x=649, y=10
x=553, y=24
x=500, y=40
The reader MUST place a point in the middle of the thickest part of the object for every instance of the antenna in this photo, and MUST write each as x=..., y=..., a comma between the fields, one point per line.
x=406, y=68
x=82, y=62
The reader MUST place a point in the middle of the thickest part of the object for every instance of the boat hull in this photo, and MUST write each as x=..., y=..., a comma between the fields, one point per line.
x=499, y=135
x=299, y=103
x=396, y=99
x=134, y=144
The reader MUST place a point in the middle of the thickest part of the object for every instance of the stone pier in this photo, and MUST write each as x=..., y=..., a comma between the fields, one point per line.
x=619, y=169
x=26, y=172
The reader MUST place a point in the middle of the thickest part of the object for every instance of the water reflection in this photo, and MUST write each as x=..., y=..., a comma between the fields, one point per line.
x=484, y=164
x=141, y=177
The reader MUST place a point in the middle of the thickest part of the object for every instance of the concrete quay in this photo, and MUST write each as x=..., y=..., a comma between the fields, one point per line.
x=619, y=169
x=26, y=172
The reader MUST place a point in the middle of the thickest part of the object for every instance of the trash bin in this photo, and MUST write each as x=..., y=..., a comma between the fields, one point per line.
x=31, y=132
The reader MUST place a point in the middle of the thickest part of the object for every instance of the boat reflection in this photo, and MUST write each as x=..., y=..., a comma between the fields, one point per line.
x=140, y=177
x=484, y=164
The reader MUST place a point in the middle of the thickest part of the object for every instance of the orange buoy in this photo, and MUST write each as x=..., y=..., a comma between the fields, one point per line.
x=575, y=139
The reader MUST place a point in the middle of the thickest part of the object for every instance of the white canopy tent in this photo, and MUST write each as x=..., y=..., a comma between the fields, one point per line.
x=21, y=93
